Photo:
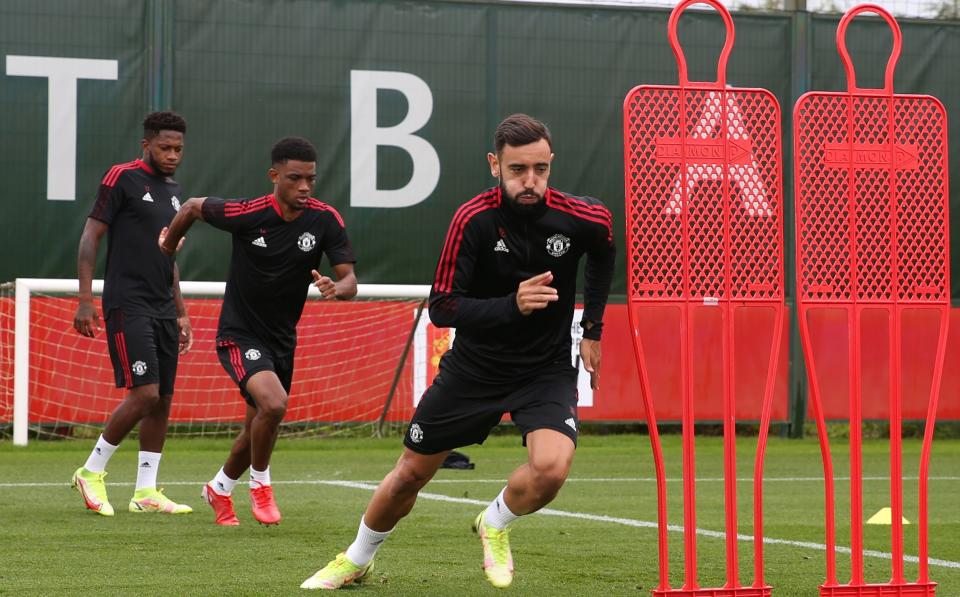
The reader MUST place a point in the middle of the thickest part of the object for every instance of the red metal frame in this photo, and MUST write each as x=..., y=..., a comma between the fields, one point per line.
x=872, y=234
x=702, y=165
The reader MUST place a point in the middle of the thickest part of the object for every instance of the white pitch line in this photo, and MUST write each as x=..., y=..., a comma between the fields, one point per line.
x=644, y=524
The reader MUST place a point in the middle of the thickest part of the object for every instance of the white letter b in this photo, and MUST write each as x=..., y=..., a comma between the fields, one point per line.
x=366, y=136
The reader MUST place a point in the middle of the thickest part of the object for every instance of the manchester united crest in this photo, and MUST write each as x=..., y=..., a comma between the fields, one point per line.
x=557, y=245
x=306, y=242
x=416, y=434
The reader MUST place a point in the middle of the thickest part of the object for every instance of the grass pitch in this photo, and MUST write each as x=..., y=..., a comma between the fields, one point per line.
x=598, y=537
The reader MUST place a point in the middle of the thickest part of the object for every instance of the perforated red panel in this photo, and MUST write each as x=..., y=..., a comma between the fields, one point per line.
x=704, y=207
x=871, y=199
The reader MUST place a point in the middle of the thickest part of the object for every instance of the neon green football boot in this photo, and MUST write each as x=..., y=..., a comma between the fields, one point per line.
x=153, y=500
x=497, y=559
x=340, y=571
x=93, y=490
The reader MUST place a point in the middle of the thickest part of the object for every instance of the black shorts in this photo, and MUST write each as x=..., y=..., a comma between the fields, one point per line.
x=143, y=350
x=244, y=356
x=454, y=412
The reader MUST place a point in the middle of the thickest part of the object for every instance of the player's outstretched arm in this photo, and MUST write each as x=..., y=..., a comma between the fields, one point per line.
x=171, y=237
x=343, y=288
x=86, y=320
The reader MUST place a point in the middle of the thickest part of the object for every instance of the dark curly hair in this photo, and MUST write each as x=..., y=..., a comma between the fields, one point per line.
x=293, y=148
x=163, y=121
x=520, y=129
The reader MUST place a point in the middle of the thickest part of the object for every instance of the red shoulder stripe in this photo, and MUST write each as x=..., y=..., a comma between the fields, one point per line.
x=245, y=206
x=144, y=166
x=601, y=221
x=110, y=178
x=239, y=208
x=581, y=205
x=588, y=208
x=321, y=206
x=245, y=202
x=582, y=210
x=443, y=281
x=603, y=215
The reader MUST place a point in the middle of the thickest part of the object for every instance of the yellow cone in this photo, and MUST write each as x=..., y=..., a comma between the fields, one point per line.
x=884, y=516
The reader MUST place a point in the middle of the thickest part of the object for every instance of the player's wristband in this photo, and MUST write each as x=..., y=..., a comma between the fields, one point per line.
x=592, y=330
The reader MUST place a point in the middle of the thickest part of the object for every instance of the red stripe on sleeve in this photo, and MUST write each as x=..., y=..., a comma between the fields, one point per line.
x=443, y=281
x=110, y=178
x=453, y=232
x=239, y=208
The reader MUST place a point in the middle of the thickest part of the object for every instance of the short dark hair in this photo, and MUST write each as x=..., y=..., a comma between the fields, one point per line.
x=163, y=121
x=293, y=148
x=520, y=129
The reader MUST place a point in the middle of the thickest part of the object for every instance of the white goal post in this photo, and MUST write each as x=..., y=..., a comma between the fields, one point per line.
x=25, y=287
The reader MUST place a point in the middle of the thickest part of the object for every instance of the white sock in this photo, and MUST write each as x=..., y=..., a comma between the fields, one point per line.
x=147, y=470
x=498, y=515
x=365, y=546
x=100, y=456
x=259, y=478
x=221, y=484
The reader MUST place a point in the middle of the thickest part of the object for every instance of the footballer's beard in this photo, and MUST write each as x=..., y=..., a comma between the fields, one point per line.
x=532, y=200
x=157, y=167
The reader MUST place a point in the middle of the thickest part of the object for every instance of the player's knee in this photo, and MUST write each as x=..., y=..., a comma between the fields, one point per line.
x=407, y=479
x=548, y=478
x=146, y=398
x=163, y=403
x=274, y=410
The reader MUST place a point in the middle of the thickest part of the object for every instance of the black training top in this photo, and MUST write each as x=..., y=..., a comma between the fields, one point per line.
x=136, y=203
x=489, y=250
x=270, y=265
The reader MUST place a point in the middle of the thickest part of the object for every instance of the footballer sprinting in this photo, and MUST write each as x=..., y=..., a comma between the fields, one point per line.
x=507, y=280
x=278, y=241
